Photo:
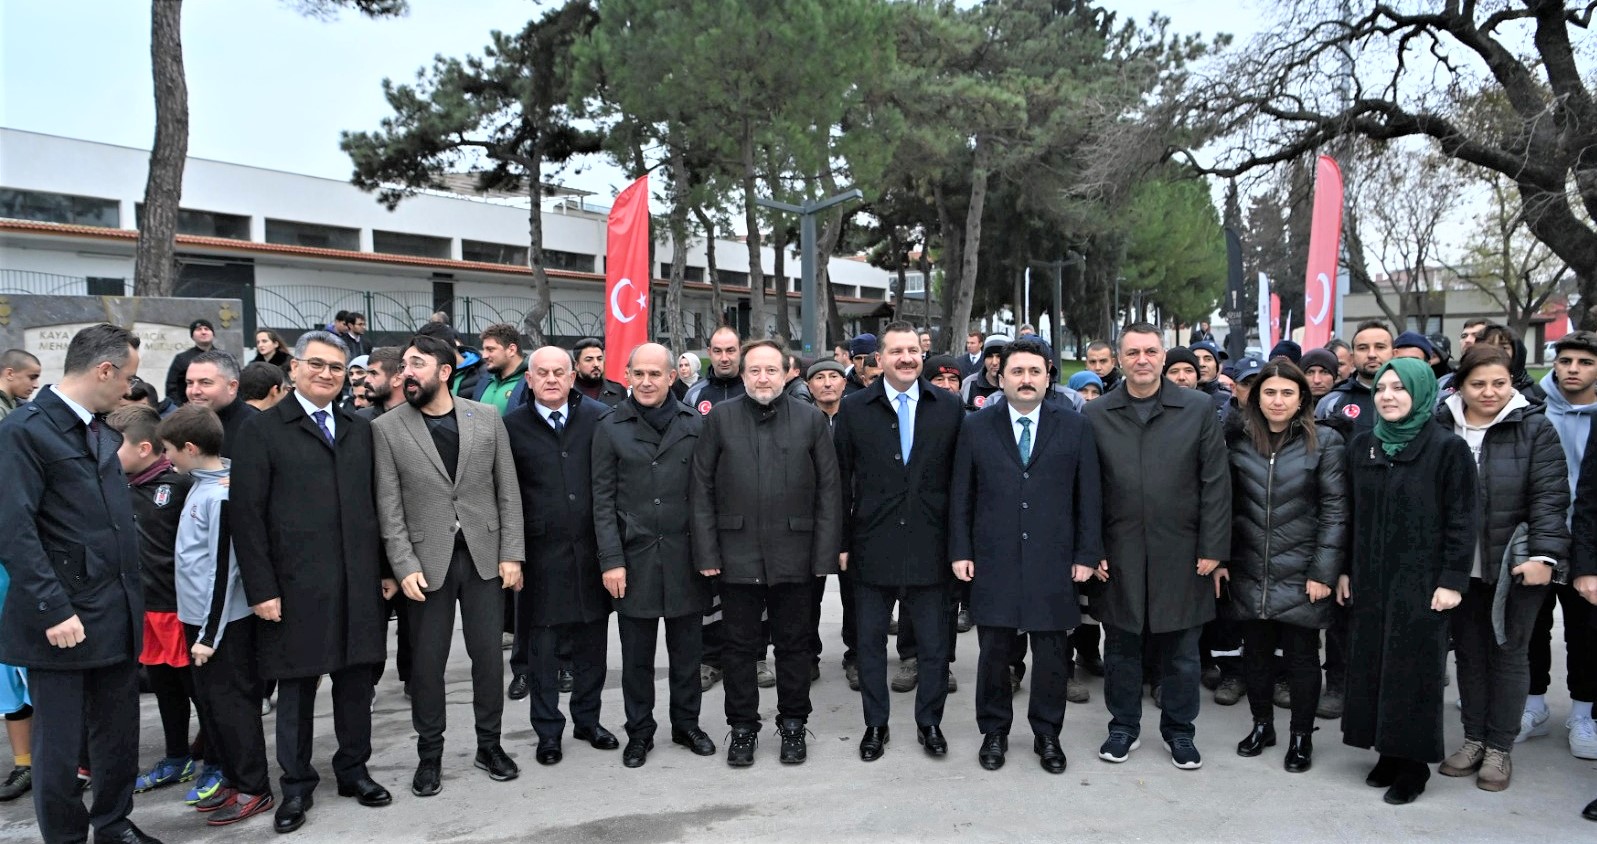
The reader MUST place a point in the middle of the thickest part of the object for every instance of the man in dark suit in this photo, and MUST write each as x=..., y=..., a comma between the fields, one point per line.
x=75, y=610
x=970, y=362
x=765, y=518
x=895, y=454
x=1024, y=530
x=551, y=441
x=642, y=465
x=303, y=508
x=450, y=512
x=1165, y=468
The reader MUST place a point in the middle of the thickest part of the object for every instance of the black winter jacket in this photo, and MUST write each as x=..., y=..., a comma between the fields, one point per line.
x=1289, y=526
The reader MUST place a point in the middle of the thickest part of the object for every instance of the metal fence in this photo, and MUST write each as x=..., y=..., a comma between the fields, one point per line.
x=29, y=283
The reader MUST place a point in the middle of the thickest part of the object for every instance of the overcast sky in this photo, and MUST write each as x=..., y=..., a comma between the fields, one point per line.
x=270, y=88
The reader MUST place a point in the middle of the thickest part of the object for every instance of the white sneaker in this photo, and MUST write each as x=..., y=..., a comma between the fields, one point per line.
x=1582, y=738
x=1533, y=723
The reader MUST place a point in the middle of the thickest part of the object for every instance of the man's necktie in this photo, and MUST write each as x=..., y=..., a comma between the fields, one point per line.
x=94, y=436
x=321, y=422
x=555, y=420
x=1025, y=440
x=906, y=426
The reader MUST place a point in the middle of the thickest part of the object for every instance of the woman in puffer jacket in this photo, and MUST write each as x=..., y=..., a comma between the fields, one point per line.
x=1289, y=489
x=1523, y=544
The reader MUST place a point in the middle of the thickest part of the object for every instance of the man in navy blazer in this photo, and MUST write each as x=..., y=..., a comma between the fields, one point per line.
x=895, y=451
x=1024, y=529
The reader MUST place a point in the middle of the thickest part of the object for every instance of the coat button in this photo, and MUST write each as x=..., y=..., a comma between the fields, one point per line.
x=899, y=457
x=654, y=463
x=901, y=523
x=1025, y=536
x=564, y=454
x=656, y=502
x=1025, y=475
x=43, y=606
x=571, y=496
x=1025, y=506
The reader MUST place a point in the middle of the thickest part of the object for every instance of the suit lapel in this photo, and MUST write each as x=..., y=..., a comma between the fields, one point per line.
x=471, y=429
x=1048, y=422
x=417, y=427
x=1005, y=428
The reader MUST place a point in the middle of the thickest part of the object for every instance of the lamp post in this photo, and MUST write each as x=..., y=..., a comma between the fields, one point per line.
x=807, y=214
x=1056, y=313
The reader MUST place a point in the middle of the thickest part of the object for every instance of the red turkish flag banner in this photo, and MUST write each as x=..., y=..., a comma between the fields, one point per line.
x=1325, y=236
x=626, y=278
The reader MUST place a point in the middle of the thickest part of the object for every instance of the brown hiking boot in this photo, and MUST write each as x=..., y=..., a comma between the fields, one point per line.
x=1464, y=761
x=1496, y=768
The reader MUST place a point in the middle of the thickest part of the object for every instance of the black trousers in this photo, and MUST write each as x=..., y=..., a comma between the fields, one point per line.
x=908, y=639
x=845, y=590
x=1580, y=645
x=397, y=605
x=174, y=689
x=228, y=687
x=1300, y=655
x=1050, y=666
x=1084, y=640
x=1492, y=678
x=712, y=626
x=589, y=647
x=818, y=594
x=684, y=646
x=1178, y=671
x=1336, y=646
x=352, y=727
x=102, y=704
x=789, y=606
x=432, y=631
x=923, y=606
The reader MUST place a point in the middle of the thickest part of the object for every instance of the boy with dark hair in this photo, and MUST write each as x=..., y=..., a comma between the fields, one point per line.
x=218, y=622
x=158, y=492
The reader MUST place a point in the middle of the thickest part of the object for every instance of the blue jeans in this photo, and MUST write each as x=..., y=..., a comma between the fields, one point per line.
x=1178, y=665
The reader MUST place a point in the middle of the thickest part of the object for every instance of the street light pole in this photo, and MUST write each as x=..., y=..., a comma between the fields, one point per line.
x=807, y=214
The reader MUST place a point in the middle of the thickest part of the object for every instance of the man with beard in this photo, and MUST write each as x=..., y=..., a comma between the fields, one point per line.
x=722, y=384
x=765, y=518
x=977, y=389
x=451, y=518
x=895, y=453
x=212, y=381
x=1209, y=359
x=642, y=455
x=354, y=334
x=468, y=362
x=589, y=355
x=384, y=388
x=1350, y=406
x=551, y=439
x=1101, y=362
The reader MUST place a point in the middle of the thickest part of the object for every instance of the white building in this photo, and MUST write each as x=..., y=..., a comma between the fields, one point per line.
x=296, y=248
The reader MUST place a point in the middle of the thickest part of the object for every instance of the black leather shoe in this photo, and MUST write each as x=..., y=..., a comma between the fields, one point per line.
x=993, y=748
x=1590, y=812
x=931, y=738
x=549, y=751
x=291, y=813
x=872, y=744
x=694, y=740
x=1050, y=754
x=1299, y=753
x=497, y=763
x=429, y=780
x=566, y=680
x=134, y=835
x=598, y=736
x=518, y=687
x=1262, y=736
x=1385, y=772
x=366, y=792
x=637, y=752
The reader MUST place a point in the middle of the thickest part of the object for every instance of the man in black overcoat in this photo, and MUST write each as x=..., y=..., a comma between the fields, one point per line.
x=74, y=614
x=1024, y=529
x=895, y=453
x=1166, y=533
x=551, y=439
x=304, y=516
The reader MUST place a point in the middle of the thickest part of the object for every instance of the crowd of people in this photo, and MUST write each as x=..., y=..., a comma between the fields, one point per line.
x=1168, y=519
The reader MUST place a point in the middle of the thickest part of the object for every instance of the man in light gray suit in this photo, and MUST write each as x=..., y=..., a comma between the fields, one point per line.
x=450, y=510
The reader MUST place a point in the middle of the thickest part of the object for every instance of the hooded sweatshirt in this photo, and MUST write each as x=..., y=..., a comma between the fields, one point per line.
x=1573, y=423
x=210, y=592
x=1476, y=438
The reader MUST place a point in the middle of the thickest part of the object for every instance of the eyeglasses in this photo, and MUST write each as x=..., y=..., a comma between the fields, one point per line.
x=319, y=365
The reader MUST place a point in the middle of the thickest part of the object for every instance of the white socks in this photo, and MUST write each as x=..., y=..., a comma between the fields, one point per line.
x=1579, y=709
x=1539, y=704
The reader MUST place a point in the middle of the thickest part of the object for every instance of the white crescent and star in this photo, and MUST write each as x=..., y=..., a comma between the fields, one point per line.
x=1325, y=300
x=615, y=301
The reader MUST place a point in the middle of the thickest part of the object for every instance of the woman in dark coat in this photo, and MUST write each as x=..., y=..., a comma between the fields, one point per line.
x=1288, y=547
x=1413, y=493
x=1524, y=487
x=270, y=348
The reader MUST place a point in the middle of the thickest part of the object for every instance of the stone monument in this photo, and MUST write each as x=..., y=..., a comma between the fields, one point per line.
x=44, y=325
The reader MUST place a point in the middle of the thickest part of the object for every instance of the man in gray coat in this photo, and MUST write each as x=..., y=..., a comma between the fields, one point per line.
x=766, y=519
x=642, y=464
x=450, y=512
x=1167, y=531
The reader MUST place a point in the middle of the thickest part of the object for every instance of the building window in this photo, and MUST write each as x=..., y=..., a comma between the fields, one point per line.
x=60, y=208
x=204, y=223
x=689, y=272
x=416, y=245
x=493, y=253
x=733, y=279
x=107, y=286
x=290, y=233
x=554, y=259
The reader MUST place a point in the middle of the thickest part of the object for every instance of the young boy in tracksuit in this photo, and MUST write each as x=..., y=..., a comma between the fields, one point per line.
x=217, y=620
x=158, y=492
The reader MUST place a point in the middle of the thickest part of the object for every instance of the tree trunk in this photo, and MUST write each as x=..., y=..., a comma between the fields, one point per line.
x=154, y=269
x=757, y=330
x=828, y=322
x=678, y=223
x=953, y=263
x=965, y=291
x=537, y=319
x=717, y=297
x=779, y=243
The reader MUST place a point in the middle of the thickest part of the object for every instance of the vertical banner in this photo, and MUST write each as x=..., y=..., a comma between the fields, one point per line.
x=1275, y=323
x=626, y=278
x=1264, y=313
x=1236, y=340
x=1325, y=237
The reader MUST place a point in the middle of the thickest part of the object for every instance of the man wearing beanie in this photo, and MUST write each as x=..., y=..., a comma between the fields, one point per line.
x=943, y=371
x=1209, y=358
x=1286, y=349
x=1320, y=366
x=859, y=348
x=1181, y=367
x=978, y=388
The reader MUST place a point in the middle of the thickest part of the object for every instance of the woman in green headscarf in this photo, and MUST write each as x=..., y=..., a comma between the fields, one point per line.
x=1412, y=502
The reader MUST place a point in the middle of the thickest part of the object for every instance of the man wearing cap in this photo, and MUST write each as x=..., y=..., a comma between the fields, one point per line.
x=1320, y=366
x=943, y=371
x=204, y=336
x=355, y=388
x=1181, y=368
x=977, y=388
x=1209, y=359
x=859, y=348
x=1412, y=344
x=1288, y=349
